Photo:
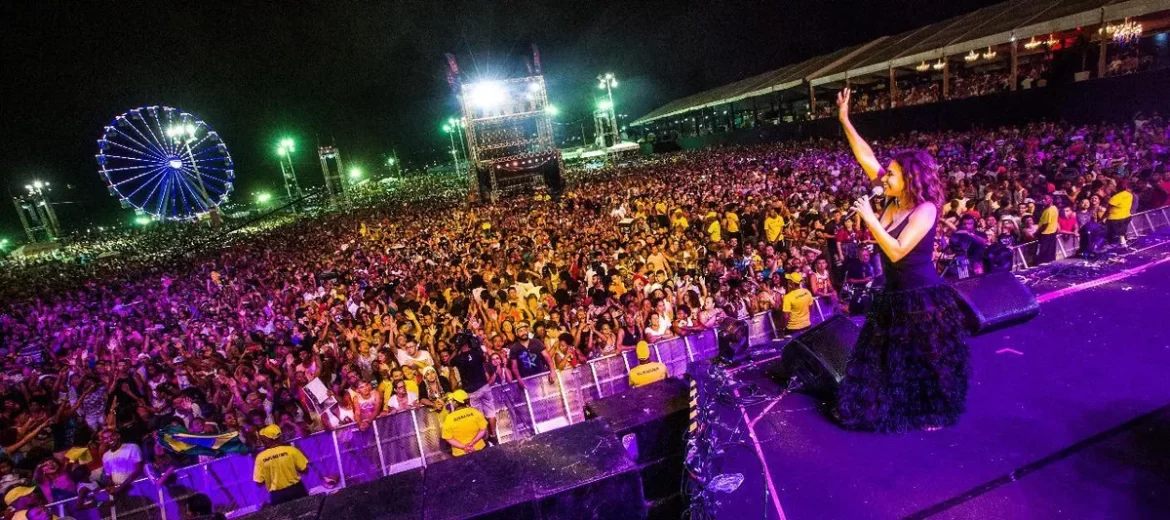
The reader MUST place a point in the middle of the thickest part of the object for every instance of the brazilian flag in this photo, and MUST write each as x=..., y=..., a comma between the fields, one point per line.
x=175, y=439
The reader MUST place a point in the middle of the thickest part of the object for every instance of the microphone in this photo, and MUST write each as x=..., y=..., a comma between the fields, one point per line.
x=877, y=191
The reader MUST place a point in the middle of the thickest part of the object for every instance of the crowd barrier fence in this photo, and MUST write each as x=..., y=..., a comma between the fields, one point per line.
x=407, y=440
x=1140, y=224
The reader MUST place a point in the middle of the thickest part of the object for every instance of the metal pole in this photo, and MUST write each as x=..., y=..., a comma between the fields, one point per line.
x=1103, y=48
x=1015, y=65
x=293, y=173
x=284, y=174
x=687, y=345
x=946, y=87
x=462, y=144
x=337, y=453
x=161, y=508
x=612, y=113
x=454, y=155
x=564, y=397
x=596, y=381
x=528, y=404
x=418, y=436
x=378, y=443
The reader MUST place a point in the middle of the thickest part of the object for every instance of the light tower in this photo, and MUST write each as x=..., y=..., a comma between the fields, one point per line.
x=334, y=180
x=285, y=151
x=608, y=82
x=36, y=213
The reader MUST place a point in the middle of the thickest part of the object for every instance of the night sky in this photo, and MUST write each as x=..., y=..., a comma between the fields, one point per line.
x=370, y=75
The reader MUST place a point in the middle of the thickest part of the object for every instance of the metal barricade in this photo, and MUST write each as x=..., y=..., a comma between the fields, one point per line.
x=579, y=389
x=398, y=442
x=358, y=453
x=759, y=329
x=1140, y=224
x=546, y=402
x=324, y=460
x=513, y=417
x=673, y=354
x=610, y=374
x=704, y=344
x=430, y=431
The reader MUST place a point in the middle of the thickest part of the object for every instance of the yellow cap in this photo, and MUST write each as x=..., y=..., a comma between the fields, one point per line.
x=271, y=431
x=18, y=493
x=459, y=396
x=794, y=277
x=643, y=351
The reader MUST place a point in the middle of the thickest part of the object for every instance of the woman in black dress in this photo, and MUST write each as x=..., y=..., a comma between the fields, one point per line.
x=910, y=366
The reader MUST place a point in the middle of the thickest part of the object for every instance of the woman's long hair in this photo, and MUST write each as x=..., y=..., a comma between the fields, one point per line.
x=920, y=173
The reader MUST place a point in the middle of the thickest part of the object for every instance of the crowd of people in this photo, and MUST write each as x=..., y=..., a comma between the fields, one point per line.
x=928, y=89
x=401, y=298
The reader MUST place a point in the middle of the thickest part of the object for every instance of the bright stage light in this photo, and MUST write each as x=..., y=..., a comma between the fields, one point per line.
x=175, y=163
x=551, y=110
x=604, y=105
x=355, y=173
x=142, y=221
x=488, y=94
x=534, y=86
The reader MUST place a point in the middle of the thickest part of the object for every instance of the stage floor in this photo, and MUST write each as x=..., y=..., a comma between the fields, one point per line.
x=1068, y=417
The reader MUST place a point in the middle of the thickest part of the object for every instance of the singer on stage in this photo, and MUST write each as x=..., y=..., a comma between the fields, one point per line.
x=910, y=366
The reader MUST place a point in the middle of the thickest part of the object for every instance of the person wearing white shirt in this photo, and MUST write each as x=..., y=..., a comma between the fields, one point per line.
x=412, y=355
x=122, y=463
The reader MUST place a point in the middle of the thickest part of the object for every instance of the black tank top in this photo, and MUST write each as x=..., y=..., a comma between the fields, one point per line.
x=916, y=269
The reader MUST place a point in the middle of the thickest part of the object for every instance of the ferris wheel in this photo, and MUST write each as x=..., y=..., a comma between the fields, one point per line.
x=165, y=162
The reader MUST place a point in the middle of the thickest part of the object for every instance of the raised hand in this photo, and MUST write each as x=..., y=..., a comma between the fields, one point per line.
x=843, y=103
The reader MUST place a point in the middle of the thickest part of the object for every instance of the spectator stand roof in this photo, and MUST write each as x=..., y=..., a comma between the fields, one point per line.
x=993, y=25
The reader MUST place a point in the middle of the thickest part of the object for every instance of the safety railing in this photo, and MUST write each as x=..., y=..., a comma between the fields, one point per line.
x=1140, y=224
x=407, y=440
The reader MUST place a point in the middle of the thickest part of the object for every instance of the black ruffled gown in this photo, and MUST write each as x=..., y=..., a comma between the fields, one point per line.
x=910, y=367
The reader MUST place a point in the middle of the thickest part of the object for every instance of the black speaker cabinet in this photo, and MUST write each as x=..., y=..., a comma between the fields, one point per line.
x=817, y=357
x=995, y=301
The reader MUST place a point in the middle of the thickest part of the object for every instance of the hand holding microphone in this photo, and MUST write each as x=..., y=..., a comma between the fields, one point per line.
x=863, y=206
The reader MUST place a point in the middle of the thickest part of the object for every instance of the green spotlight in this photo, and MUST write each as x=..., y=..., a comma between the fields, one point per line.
x=355, y=173
x=263, y=197
x=551, y=110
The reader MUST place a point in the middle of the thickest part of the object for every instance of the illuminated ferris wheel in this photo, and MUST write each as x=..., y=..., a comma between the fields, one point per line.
x=166, y=163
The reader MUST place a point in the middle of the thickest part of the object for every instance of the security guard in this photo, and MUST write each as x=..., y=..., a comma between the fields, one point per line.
x=646, y=372
x=279, y=467
x=465, y=427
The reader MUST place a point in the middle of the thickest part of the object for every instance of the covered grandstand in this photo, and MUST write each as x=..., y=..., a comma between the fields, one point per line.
x=1003, y=37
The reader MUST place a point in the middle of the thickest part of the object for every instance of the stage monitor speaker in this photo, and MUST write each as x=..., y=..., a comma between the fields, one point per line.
x=994, y=301
x=395, y=497
x=651, y=420
x=308, y=508
x=579, y=471
x=817, y=357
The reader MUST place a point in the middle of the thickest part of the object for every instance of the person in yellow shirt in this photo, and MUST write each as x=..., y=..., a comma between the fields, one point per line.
x=679, y=222
x=1120, y=211
x=774, y=227
x=279, y=467
x=731, y=223
x=1048, y=224
x=797, y=302
x=714, y=230
x=464, y=427
x=647, y=371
